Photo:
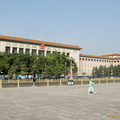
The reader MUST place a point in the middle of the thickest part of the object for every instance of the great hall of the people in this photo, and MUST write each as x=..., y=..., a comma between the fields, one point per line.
x=85, y=63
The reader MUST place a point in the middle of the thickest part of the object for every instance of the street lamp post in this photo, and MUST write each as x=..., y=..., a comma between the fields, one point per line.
x=71, y=67
x=111, y=73
x=70, y=81
x=3, y=77
x=34, y=78
x=94, y=72
x=102, y=73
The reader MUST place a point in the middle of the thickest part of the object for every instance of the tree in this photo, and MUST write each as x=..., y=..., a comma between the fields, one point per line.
x=58, y=64
x=24, y=69
x=108, y=71
x=12, y=71
x=38, y=64
x=94, y=71
x=117, y=71
x=4, y=63
x=54, y=65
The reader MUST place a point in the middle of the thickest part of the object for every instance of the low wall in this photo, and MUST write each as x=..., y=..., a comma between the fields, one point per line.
x=53, y=82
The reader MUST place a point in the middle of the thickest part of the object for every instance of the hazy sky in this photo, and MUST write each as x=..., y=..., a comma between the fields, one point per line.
x=93, y=25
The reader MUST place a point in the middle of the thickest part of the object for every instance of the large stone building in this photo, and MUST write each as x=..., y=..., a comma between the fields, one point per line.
x=85, y=63
x=14, y=44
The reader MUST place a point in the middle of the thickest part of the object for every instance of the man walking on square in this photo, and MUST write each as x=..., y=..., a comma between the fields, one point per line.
x=91, y=89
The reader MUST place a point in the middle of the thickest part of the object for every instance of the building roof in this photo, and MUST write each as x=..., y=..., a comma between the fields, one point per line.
x=111, y=54
x=16, y=39
x=101, y=57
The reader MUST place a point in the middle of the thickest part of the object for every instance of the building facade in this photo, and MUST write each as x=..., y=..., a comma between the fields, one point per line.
x=17, y=45
x=87, y=62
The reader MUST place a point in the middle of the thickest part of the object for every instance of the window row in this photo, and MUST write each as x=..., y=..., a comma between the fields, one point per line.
x=29, y=51
x=99, y=60
x=22, y=50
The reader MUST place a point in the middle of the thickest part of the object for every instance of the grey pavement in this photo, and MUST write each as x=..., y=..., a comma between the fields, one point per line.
x=60, y=102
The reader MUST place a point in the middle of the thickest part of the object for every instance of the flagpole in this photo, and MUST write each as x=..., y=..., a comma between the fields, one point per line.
x=37, y=37
x=4, y=31
x=11, y=32
x=18, y=32
x=41, y=35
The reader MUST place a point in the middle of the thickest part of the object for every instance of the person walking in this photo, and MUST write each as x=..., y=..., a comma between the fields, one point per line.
x=91, y=89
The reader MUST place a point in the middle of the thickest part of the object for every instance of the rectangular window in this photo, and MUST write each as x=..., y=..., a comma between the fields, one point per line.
x=33, y=51
x=20, y=50
x=7, y=49
x=48, y=52
x=27, y=51
x=68, y=54
x=41, y=52
x=14, y=50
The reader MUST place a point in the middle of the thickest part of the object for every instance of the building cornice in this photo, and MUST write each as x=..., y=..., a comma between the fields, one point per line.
x=100, y=57
x=30, y=41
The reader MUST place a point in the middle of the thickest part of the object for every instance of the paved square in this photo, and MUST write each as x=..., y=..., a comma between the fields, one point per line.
x=60, y=102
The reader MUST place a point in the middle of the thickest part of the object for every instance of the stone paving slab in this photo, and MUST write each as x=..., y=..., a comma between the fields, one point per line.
x=60, y=102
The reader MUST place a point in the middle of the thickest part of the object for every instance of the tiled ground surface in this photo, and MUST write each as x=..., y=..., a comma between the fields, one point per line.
x=60, y=102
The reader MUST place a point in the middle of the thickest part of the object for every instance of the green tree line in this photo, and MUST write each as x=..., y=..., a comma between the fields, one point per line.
x=106, y=71
x=55, y=64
